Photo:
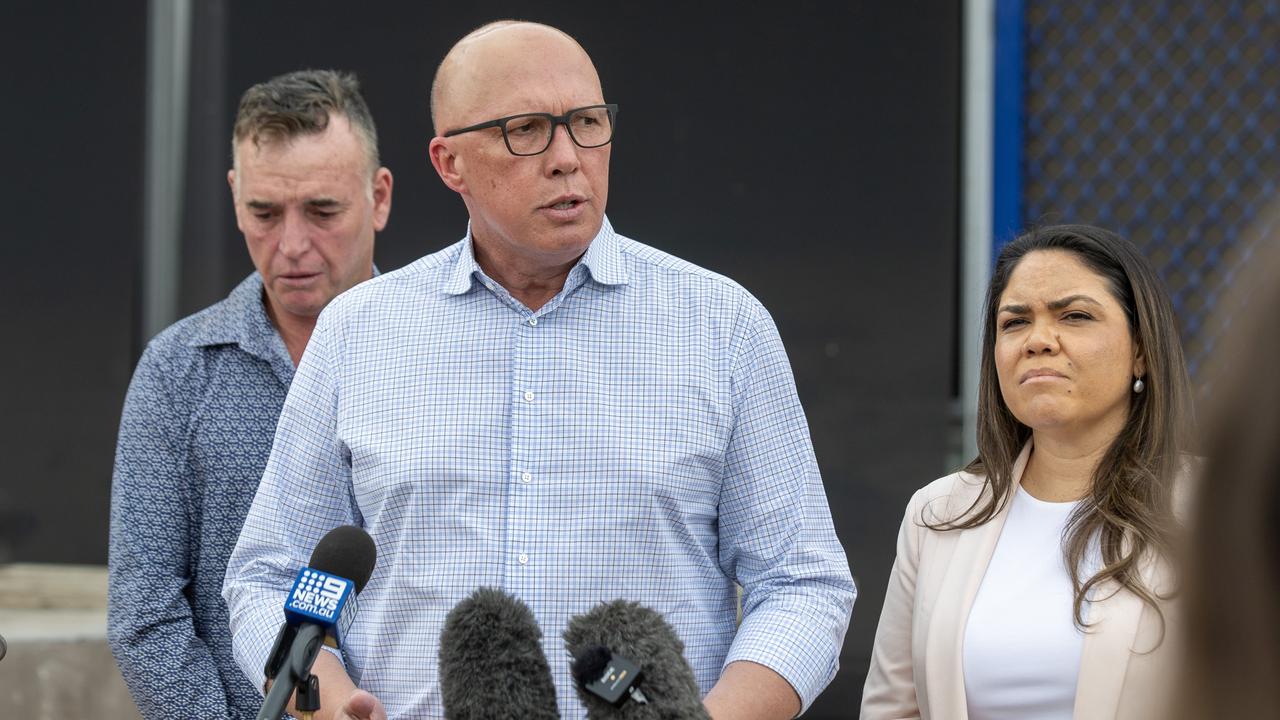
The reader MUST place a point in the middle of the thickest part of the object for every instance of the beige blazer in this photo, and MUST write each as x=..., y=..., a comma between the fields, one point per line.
x=916, y=663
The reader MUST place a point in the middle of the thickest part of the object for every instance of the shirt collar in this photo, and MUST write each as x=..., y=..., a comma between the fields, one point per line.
x=603, y=260
x=604, y=257
x=241, y=320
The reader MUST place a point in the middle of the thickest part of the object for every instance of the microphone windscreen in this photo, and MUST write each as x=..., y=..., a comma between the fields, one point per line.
x=346, y=551
x=641, y=635
x=492, y=666
x=588, y=664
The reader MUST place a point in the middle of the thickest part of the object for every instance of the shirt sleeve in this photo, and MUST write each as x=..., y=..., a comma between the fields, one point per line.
x=776, y=535
x=150, y=627
x=305, y=492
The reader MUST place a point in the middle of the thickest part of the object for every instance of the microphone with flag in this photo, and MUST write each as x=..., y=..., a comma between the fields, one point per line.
x=492, y=666
x=629, y=663
x=319, y=610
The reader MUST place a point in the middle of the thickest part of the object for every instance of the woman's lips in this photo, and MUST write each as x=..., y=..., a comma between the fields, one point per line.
x=1041, y=375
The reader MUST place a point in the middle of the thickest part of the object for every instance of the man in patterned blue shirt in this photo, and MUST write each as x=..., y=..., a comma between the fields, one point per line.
x=554, y=409
x=309, y=195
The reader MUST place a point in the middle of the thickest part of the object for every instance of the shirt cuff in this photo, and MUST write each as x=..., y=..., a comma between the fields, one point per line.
x=790, y=642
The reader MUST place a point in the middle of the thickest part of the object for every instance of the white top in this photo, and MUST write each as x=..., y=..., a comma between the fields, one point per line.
x=1021, y=646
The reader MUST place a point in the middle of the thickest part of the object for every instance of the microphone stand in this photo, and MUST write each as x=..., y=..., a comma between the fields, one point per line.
x=289, y=667
x=307, y=701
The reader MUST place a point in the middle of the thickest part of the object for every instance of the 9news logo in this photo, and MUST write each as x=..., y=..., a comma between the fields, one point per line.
x=318, y=594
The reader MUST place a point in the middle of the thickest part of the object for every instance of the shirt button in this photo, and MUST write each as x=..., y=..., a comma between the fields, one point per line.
x=524, y=559
x=528, y=396
x=526, y=477
x=533, y=322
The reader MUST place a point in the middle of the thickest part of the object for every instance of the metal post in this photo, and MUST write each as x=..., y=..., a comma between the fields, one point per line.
x=976, y=207
x=169, y=47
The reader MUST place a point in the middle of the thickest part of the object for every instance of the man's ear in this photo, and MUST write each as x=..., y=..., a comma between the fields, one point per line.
x=381, y=198
x=231, y=181
x=447, y=164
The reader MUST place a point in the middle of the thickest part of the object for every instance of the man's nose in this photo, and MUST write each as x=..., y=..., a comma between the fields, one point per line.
x=295, y=236
x=562, y=153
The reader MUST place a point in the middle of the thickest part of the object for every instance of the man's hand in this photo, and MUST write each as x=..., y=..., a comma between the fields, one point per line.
x=361, y=706
x=340, y=699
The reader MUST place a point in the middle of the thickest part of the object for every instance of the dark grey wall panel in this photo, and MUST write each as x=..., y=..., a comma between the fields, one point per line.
x=74, y=125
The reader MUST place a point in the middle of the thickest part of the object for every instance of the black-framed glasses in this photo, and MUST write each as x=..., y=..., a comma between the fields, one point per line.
x=531, y=133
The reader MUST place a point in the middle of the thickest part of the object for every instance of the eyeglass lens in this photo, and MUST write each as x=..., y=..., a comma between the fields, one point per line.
x=531, y=134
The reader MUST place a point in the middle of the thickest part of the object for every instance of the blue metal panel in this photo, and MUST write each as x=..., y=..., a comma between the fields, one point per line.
x=1006, y=201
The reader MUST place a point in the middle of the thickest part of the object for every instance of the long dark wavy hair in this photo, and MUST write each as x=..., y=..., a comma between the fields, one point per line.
x=1129, y=508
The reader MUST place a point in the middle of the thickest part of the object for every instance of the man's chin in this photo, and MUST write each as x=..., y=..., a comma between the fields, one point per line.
x=561, y=250
x=573, y=237
x=300, y=304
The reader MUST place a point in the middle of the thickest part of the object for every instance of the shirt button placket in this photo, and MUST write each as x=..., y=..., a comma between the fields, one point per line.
x=523, y=423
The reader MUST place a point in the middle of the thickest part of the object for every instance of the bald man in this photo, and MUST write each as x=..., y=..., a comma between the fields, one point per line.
x=551, y=408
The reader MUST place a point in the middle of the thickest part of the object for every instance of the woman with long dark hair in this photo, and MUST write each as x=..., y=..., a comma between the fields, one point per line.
x=1033, y=584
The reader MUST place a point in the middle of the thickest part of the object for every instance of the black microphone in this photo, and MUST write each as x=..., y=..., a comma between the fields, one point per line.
x=492, y=666
x=629, y=663
x=319, y=610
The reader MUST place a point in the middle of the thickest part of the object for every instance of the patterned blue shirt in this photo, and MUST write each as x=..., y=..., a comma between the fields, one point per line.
x=194, y=440
x=637, y=437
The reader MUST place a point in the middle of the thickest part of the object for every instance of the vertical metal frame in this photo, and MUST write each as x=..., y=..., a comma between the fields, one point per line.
x=975, y=206
x=991, y=177
x=168, y=57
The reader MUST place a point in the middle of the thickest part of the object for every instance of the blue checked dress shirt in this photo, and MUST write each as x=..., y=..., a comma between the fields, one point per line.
x=637, y=437
x=194, y=439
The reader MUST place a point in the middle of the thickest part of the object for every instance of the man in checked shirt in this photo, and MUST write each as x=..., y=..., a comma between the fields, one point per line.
x=503, y=411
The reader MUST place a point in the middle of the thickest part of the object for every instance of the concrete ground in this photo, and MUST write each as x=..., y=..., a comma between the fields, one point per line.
x=54, y=621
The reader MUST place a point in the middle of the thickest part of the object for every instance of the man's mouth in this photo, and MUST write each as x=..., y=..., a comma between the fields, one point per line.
x=296, y=278
x=565, y=202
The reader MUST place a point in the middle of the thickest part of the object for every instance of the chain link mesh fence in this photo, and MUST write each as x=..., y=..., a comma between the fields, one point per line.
x=1159, y=120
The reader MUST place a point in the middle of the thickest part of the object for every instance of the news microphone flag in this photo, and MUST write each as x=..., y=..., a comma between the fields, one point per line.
x=319, y=610
x=324, y=599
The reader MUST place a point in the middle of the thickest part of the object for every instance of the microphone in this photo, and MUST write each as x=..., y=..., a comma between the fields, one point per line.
x=492, y=666
x=629, y=663
x=320, y=608
x=4, y=647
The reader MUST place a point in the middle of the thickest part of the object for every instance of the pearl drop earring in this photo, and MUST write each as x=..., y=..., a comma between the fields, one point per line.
x=1139, y=386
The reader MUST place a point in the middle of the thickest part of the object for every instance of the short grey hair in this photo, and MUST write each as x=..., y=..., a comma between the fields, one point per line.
x=301, y=103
